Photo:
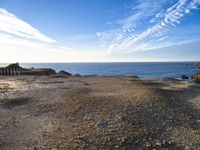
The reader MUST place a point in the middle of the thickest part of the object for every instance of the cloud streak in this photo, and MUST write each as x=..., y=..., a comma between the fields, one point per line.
x=10, y=24
x=141, y=11
x=19, y=41
x=126, y=40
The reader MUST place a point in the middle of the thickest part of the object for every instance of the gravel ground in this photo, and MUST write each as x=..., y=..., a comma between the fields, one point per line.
x=52, y=112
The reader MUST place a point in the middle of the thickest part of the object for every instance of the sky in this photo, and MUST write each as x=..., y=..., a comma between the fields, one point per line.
x=99, y=30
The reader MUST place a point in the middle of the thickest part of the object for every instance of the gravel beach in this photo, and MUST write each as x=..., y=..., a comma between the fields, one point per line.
x=60, y=112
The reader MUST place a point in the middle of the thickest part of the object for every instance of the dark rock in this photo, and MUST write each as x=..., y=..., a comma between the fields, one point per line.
x=14, y=66
x=77, y=75
x=103, y=125
x=198, y=65
x=184, y=77
x=39, y=71
x=135, y=77
x=196, y=77
x=64, y=73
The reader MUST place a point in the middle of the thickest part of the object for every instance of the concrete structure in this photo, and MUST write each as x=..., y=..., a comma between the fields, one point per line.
x=9, y=71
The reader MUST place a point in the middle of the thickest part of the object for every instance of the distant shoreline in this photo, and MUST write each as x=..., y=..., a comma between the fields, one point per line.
x=142, y=70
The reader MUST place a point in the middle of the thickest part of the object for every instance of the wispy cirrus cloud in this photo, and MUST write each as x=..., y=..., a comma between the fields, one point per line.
x=20, y=38
x=10, y=24
x=141, y=10
x=128, y=39
x=20, y=41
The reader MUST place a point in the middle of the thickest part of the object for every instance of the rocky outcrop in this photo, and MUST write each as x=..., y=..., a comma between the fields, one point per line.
x=77, y=75
x=196, y=77
x=184, y=77
x=39, y=71
x=14, y=66
x=64, y=73
x=198, y=65
x=135, y=77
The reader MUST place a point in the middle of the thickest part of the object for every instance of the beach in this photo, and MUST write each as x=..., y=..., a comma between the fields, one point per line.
x=97, y=112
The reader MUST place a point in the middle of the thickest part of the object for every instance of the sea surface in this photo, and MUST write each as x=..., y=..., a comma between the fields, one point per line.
x=144, y=69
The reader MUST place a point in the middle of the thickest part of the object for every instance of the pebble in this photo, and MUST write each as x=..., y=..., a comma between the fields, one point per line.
x=158, y=143
x=103, y=125
x=147, y=145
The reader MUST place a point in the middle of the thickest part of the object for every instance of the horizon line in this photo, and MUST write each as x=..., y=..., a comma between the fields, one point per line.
x=103, y=62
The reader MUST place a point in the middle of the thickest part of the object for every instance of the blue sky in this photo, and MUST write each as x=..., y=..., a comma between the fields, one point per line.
x=99, y=30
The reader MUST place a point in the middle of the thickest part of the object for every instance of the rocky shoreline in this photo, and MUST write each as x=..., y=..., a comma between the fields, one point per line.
x=16, y=69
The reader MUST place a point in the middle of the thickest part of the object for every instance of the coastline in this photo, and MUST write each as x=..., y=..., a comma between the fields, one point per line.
x=93, y=112
x=149, y=70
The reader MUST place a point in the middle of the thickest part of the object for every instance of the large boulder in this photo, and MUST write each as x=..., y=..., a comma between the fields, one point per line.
x=196, y=77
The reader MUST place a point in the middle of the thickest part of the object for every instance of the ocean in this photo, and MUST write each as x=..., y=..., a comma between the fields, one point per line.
x=141, y=69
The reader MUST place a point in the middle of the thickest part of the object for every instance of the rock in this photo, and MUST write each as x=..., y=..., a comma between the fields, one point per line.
x=39, y=71
x=15, y=66
x=103, y=125
x=184, y=77
x=198, y=65
x=196, y=77
x=77, y=75
x=135, y=77
x=147, y=145
x=64, y=73
x=158, y=143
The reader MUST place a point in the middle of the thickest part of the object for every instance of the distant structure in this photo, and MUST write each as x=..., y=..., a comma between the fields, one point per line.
x=15, y=70
x=12, y=69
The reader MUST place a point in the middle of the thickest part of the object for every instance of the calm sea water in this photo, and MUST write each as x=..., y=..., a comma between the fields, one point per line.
x=146, y=70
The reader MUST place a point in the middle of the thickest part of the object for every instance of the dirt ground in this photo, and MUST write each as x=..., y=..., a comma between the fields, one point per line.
x=59, y=113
